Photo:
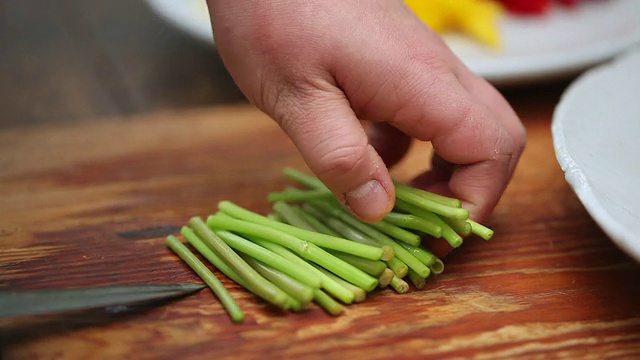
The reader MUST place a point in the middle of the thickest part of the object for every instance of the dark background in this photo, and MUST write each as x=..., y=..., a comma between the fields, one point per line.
x=78, y=60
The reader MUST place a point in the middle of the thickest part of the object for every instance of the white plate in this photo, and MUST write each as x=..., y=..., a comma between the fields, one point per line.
x=535, y=49
x=596, y=135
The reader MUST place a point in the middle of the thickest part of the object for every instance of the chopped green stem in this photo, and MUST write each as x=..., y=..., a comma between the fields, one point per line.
x=292, y=194
x=328, y=284
x=418, y=281
x=354, y=235
x=342, y=268
x=397, y=232
x=359, y=294
x=480, y=230
x=315, y=223
x=303, y=178
x=373, y=233
x=403, y=194
x=260, y=285
x=444, y=200
x=399, y=285
x=437, y=267
x=425, y=256
x=327, y=303
x=371, y=267
x=416, y=223
x=234, y=311
x=322, y=240
x=385, y=278
x=291, y=286
x=447, y=232
x=270, y=258
x=304, y=249
x=214, y=259
x=289, y=216
x=296, y=305
x=398, y=267
x=461, y=227
x=275, y=217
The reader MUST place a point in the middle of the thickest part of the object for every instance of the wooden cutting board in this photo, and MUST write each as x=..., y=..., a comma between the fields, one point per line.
x=85, y=205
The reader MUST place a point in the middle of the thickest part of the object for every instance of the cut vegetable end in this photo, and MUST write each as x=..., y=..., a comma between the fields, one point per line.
x=399, y=285
x=385, y=278
x=387, y=253
x=327, y=303
x=437, y=267
x=480, y=230
x=398, y=267
x=418, y=281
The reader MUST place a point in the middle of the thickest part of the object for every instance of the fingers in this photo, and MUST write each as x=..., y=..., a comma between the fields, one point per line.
x=390, y=143
x=334, y=145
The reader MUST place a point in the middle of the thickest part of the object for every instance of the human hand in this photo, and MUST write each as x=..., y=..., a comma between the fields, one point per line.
x=318, y=66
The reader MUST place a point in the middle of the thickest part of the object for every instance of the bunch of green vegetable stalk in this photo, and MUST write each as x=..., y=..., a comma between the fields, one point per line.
x=312, y=250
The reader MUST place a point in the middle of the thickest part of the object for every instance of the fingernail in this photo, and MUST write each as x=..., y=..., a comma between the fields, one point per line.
x=370, y=201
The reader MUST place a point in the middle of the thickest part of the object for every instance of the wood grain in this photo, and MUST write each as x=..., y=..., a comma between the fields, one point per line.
x=90, y=205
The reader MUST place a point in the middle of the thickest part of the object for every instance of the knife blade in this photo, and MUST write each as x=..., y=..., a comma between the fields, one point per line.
x=33, y=302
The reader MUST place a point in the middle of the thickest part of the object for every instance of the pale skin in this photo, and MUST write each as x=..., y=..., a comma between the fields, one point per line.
x=320, y=67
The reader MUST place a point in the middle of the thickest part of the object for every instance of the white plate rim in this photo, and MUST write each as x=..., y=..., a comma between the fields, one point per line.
x=574, y=175
x=505, y=72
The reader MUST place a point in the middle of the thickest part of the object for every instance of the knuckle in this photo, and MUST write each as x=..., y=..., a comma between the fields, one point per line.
x=341, y=160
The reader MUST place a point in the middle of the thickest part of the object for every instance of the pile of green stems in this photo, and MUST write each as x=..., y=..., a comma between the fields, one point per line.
x=311, y=250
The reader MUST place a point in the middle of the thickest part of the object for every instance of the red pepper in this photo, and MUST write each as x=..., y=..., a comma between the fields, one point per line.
x=568, y=2
x=526, y=6
x=535, y=7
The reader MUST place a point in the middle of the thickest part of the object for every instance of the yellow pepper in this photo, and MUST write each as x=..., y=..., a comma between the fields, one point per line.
x=477, y=19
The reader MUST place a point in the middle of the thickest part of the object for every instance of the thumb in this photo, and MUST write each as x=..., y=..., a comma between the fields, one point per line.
x=334, y=145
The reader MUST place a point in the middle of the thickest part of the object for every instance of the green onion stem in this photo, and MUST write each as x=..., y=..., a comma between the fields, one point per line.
x=416, y=223
x=269, y=258
x=397, y=232
x=385, y=278
x=328, y=284
x=303, y=178
x=291, y=286
x=260, y=285
x=373, y=233
x=292, y=194
x=426, y=257
x=234, y=311
x=322, y=240
x=461, y=227
x=402, y=193
x=444, y=200
x=399, y=285
x=359, y=294
x=447, y=232
x=371, y=267
x=352, y=234
x=480, y=230
x=289, y=216
x=305, y=249
x=274, y=217
x=214, y=259
x=418, y=281
x=398, y=267
x=317, y=225
x=327, y=303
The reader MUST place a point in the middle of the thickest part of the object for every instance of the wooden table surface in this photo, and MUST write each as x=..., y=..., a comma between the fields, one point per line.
x=90, y=204
x=113, y=133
